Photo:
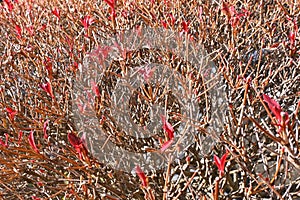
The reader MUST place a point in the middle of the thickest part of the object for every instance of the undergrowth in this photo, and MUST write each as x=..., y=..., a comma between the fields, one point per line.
x=254, y=46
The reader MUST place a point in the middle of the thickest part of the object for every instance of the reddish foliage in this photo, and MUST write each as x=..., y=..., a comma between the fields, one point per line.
x=9, y=4
x=47, y=88
x=147, y=73
x=282, y=118
x=172, y=19
x=232, y=15
x=227, y=10
x=48, y=65
x=142, y=176
x=170, y=131
x=275, y=108
x=95, y=88
x=164, y=24
x=30, y=30
x=40, y=183
x=74, y=140
x=45, y=129
x=74, y=66
x=81, y=107
x=77, y=143
x=56, y=12
x=166, y=145
x=43, y=27
x=20, y=136
x=273, y=105
x=111, y=4
x=32, y=142
x=220, y=163
x=87, y=21
x=11, y=113
x=18, y=31
x=292, y=37
x=168, y=128
x=101, y=53
x=5, y=144
x=185, y=26
x=293, y=34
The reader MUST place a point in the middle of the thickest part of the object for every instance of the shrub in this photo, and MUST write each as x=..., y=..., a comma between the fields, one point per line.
x=255, y=48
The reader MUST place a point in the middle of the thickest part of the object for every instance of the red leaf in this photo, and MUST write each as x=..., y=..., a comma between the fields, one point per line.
x=220, y=163
x=87, y=21
x=292, y=37
x=81, y=107
x=246, y=12
x=142, y=176
x=234, y=21
x=43, y=27
x=295, y=26
x=40, y=183
x=147, y=73
x=32, y=143
x=111, y=4
x=277, y=111
x=227, y=10
x=166, y=145
x=9, y=5
x=45, y=129
x=2, y=143
x=95, y=88
x=274, y=106
x=11, y=113
x=47, y=88
x=232, y=15
x=167, y=127
x=18, y=31
x=76, y=142
x=5, y=144
x=172, y=19
x=74, y=67
x=101, y=53
x=163, y=23
x=56, y=12
x=20, y=136
x=30, y=30
x=185, y=26
x=48, y=65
